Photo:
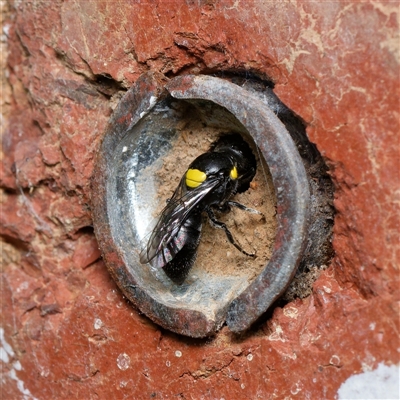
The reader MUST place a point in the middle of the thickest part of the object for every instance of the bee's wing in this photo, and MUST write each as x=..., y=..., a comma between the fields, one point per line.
x=172, y=218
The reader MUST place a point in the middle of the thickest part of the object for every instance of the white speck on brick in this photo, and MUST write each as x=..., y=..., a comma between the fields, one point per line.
x=17, y=365
x=296, y=388
x=372, y=326
x=98, y=323
x=123, y=361
x=327, y=289
x=335, y=360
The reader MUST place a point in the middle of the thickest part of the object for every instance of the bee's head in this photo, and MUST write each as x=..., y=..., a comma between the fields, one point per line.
x=210, y=166
x=240, y=151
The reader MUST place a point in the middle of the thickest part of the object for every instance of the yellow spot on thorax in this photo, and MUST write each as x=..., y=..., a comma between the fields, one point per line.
x=233, y=173
x=195, y=177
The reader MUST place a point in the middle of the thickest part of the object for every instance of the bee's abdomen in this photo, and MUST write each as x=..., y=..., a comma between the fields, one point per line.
x=178, y=268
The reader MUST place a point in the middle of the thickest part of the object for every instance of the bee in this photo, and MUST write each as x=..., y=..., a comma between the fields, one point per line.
x=207, y=186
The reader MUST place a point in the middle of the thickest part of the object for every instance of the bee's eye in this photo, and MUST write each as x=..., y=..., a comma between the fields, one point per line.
x=195, y=177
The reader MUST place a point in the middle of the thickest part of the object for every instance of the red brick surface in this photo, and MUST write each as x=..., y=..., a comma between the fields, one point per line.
x=72, y=334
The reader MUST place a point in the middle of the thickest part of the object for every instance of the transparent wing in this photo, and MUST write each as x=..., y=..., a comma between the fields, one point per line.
x=171, y=220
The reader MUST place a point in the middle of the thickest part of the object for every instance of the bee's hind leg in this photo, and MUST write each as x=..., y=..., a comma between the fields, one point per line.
x=218, y=224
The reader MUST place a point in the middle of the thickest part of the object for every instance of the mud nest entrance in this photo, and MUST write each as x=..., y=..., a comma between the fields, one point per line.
x=162, y=125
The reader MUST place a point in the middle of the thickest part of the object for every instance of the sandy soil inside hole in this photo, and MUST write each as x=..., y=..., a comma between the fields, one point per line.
x=254, y=234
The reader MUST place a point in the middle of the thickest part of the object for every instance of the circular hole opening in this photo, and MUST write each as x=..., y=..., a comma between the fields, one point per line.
x=148, y=165
x=157, y=130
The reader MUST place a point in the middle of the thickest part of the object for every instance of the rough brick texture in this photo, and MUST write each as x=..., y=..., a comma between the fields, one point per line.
x=70, y=332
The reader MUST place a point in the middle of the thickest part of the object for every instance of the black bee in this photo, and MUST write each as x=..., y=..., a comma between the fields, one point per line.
x=208, y=184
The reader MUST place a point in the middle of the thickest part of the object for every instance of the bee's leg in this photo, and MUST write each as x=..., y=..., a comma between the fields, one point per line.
x=218, y=224
x=223, y=208
x=244, y=208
